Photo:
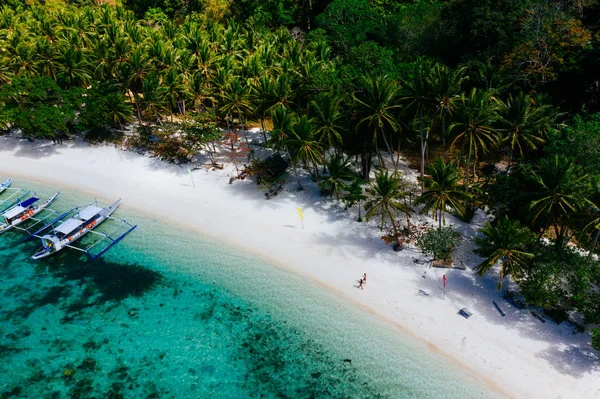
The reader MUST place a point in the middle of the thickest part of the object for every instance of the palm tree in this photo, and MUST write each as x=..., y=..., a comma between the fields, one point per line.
x=154, y=96
x=283, y=93
x=446, y=88
x=441, y=190
x=235, y=99
x=339, y=174
x=592, y=213
x=376, y=105
x=71, y=69
x=524, y=123
x=46, y=53
x=171, y=81
x=118, y=109
x=589, y=214
x=197, y=90
x=325, y=108
x=474, y=127
x=554, y=193
x=305, y=145
x=386, y=193
x=418, y=95
x=280, y=136
x=504, y=242
x=263, y=90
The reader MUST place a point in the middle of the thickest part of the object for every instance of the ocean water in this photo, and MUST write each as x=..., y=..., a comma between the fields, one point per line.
x=169, y=313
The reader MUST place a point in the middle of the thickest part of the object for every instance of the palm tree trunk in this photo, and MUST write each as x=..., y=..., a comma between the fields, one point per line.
x=398, y=155
x=381, y=163
x=509, y=161
x=440, y=215
x=422, y=152
x=137, y=108
x=157, y=116
x=359, y=214
x=444, y=137
x=389, y=149
x=294, y=168
x=262, y=125
x=365, y=159
x=594, y=243
x=391, y=215
x=468, y=166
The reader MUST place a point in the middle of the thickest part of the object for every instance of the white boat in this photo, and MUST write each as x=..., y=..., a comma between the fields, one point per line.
x=5, y=185
x=73, y=229
x=22, y=212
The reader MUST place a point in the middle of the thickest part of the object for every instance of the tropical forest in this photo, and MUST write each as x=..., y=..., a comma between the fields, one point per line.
x=496, y=104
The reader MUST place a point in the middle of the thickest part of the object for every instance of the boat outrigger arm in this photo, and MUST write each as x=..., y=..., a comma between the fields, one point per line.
x=64, y=233
x=10, y=202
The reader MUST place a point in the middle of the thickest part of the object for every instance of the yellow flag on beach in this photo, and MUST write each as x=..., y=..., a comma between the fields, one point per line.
x=300, y=213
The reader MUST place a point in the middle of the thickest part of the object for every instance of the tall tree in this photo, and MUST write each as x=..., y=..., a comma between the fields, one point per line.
x=524, y=123
x=441, y=191
x=326, y=110
x=377, y=104
x=339, y=174
x=304, y=144
x=474, y=127
x=385, y=198
x=554, y=194
x=418, y=94
x=504, y=241
x=446, y=84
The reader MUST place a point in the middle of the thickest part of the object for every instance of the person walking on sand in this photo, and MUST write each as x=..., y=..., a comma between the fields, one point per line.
x=364, y=279
x=360, y=284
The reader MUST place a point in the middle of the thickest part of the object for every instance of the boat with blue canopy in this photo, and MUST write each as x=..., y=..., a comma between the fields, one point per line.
x=65, y=232
x=23, y=211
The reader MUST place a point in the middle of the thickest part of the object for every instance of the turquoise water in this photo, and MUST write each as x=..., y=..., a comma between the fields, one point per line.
x=172, y=314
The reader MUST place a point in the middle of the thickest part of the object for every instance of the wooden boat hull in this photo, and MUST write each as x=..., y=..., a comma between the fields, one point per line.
x=46, y=250
x=31, y=213
x=5, y=185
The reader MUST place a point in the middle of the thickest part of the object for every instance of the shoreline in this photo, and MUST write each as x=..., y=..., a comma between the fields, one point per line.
x=340, y=250
x=392, y=325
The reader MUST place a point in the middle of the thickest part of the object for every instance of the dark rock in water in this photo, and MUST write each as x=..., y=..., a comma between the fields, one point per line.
x=92, y=345
x=7, y=350
x=82, y=388
x=52, y=296
x=15, y=392
x=38, y=376
x=115, y=391
x=88, y=365
x=347, y=360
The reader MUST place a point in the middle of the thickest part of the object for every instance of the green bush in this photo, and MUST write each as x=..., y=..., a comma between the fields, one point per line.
x=596, y=338
x=439, y=242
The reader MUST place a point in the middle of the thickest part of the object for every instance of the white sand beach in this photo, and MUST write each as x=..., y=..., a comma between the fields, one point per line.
x=517, y=355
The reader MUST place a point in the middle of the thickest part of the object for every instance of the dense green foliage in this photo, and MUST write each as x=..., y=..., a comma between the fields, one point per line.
x=347, y=86
x=439, y=242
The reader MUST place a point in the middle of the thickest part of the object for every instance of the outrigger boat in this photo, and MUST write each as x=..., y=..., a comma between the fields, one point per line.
x=5, y=185
x=23, y=211
x=67, y=232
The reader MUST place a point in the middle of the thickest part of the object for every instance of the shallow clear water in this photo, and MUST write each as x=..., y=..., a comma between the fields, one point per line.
x=169, y=313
